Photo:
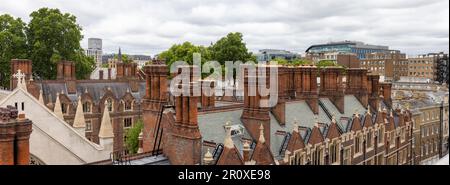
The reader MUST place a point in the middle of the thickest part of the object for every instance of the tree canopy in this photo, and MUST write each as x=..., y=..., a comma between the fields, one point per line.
x=184, y=52
x=132, y=141
x=12, y=44
x=231, y=48
x=54, y=36
x=228, y=48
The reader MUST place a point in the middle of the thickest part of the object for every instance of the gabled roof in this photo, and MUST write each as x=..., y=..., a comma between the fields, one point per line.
x=316, y=136
x=334, y=131
x=230, y=156
x=296, y=142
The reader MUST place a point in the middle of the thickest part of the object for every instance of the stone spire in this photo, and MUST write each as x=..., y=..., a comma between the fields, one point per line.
x=333, y=118
x=106, y=130
x=23, y=83
x=57, y=110
x=228, y=141
x=261, y=134
x=295, y=126
x=208, y=158
x=368, y=110
x=79, y=121
x=119, y=56
x=41, y=97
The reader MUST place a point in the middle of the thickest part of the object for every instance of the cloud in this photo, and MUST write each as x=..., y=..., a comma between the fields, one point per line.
x=149, y=27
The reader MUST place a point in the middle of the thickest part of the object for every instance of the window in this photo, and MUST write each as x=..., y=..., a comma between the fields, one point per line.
x=88, y=125
x=317, y=156
x=109, y=105
x=381, y=136
x=128, y=106
x=392, y=139
x=357, y=144
x=64, y=108
x=86, y=107
x=127, y=122
x=333, y=153
x=23, y=106
x=391, y=160
x=347, y=157
x=380, y=159
x=369, y=139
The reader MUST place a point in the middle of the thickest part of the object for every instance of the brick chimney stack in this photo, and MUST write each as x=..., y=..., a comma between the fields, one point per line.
x=279, y=110
x=15, y=133
x=185, y=143
x=254, y=114
x=373, y=90
x=25, y=67
x=155, y=98
x=65, y=70
x=386, y=92
x=357, y=84
x=305, y=84
x=331, y=86
x=208, y=95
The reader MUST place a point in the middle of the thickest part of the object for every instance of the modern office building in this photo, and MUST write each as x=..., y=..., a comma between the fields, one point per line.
x=270, y=54
x=95, y=50
x=356, y=47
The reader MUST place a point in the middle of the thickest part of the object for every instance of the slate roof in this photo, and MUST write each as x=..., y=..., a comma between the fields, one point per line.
x=96, y=90
x=211, y=125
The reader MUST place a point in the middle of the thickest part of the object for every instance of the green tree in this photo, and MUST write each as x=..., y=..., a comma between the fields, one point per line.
x=54, y=36
x=132, y=141
x=125, y=58
x=12, y=44
x=281, y=61
x=184, y=52
x=231, y=48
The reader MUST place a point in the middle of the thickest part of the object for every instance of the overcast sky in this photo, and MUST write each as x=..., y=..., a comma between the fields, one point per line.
x=144, y=27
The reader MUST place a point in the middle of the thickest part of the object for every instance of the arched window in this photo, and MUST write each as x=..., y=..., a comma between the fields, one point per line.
x=128, y=105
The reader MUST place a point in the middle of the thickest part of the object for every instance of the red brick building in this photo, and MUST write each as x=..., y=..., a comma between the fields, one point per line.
x=15, y=132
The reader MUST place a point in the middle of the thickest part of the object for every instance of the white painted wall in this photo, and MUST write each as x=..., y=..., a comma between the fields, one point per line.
x=53, y=140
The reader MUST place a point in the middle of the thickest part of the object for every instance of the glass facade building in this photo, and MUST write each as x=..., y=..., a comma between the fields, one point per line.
x=358, y=48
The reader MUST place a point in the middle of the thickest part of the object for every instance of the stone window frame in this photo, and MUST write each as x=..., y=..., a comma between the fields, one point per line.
x=88, y=126
x=392, y=139
x=65, y=108
x=337, y=145
x=110, y=104
x=370, y=140
x=381, y=134
x=130, y=124
x=130, y=103
x=347, y=155
x=317, y=152
x=87, y=105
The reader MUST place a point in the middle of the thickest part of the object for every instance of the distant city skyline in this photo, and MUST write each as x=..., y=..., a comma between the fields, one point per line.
x=147, y=28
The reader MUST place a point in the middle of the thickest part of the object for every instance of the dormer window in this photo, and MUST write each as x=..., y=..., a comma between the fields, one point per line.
x=237, y=130
x=109, y=104
x=128, y=105
x=64, y=108
x=87, y=107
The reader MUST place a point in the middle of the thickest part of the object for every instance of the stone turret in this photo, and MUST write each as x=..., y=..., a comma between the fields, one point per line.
x=79, y=122
x=106, y=135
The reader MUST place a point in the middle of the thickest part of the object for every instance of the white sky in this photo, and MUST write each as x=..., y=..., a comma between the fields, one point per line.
x=148, y=27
